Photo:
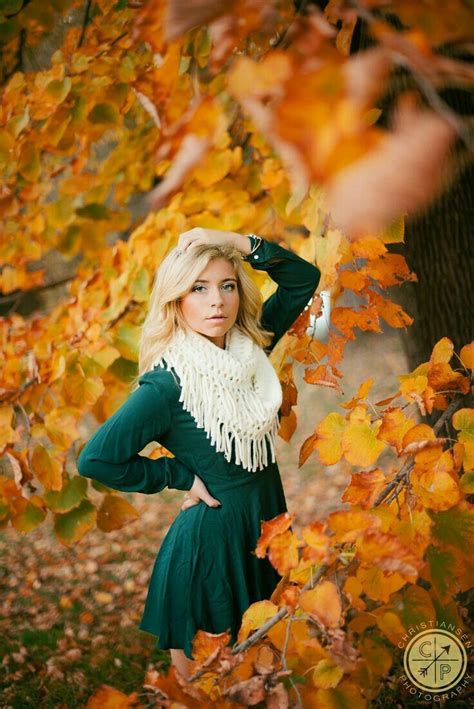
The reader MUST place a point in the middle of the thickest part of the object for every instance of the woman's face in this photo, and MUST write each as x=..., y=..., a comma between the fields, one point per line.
x=213, y=293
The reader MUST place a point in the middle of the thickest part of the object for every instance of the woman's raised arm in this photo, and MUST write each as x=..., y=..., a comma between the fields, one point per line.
x=297, y=280
x=111, y=456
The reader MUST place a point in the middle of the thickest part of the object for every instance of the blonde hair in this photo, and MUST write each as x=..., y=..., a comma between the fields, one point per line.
x=173, y=279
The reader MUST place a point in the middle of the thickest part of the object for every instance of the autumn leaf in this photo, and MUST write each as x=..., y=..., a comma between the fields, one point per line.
x=398, y=176
x=323, y=603
x=328, y=441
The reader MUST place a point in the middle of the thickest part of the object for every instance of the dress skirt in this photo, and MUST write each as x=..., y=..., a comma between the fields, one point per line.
x=206, y=573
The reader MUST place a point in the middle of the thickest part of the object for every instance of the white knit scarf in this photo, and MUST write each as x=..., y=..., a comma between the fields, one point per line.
x=233, y=393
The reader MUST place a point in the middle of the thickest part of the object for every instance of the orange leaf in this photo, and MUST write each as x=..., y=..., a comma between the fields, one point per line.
x=115, y=512
x=399, y=175
x=362, y=392
x=355, y=280
x=283, y=551
x=306, y=449
x=377, y=548
x=347, y=525
x=436, y=488
x=394, y=427
x=323, y=603
x=364, y=488
x=346, y=319
x=368, y=247
x=288, y=426
x=321, y=376
x=270, y=529
x=391, y=312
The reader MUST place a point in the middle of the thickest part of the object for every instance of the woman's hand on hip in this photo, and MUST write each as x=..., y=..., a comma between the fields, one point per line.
x=201, y=235
x=197, y=493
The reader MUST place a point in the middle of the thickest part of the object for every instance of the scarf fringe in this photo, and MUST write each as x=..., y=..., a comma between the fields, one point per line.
x=231, y=412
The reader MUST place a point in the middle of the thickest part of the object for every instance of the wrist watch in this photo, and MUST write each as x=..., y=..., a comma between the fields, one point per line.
x=255, y=242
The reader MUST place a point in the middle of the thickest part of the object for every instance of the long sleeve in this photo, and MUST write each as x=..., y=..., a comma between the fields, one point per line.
x=297, y=279
x=111, y=454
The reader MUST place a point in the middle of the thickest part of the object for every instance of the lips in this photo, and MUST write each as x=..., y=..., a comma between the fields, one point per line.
x=217, y=317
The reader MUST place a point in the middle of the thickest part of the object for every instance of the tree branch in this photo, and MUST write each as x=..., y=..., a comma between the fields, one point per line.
x=85, y=22
x=19, y=294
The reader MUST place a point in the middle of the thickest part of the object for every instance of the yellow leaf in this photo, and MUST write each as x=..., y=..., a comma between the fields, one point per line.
x=360, y=444
x=329, y=438
x=327, y=674
x=463, y=421
x=214, y=167
x=48, y=469
x=83, y=390
x=442, y=351
x=7, y=432
x=377, y=585
x=467, y=355
x=255, y=616
x=60, y=425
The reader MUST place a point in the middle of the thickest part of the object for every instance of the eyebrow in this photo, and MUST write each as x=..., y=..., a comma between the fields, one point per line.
x=201, y=280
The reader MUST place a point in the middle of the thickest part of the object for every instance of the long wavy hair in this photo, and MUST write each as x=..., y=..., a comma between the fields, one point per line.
x=174, y=278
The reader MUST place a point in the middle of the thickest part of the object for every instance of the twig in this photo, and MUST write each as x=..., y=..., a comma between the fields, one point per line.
x=18, y=295
x=284, y=663
x=408, y=465
x=278, y=616
x=85, y=22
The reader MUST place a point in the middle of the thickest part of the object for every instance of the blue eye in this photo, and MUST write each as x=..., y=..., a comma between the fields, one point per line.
x=226, y=285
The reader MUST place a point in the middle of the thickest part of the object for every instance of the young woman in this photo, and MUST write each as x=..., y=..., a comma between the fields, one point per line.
x=209, y=394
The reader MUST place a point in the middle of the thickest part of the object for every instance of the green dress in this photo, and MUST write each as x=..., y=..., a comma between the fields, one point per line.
x=206, y=573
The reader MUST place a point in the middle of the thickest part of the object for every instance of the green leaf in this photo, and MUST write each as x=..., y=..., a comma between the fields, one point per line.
x=466, y=483
x=94, y=210
x=29, y=518
x=58, y=90
x=29, y=165
x=72, y=526
x=123, y=369
x=69, y=497
x=104, y=113
x=442, y=569
x=126, y=341
x=139, y=287
x=454, y=526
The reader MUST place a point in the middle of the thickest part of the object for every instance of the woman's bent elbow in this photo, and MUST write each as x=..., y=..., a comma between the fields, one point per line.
x=86, y=467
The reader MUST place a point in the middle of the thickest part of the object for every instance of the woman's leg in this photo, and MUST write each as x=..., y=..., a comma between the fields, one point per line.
x=181, y=662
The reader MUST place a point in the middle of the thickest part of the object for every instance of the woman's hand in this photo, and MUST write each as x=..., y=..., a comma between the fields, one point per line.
x=197, y=493
x=201, y=235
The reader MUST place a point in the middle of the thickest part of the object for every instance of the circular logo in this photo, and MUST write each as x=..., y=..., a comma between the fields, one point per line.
x=435, y=660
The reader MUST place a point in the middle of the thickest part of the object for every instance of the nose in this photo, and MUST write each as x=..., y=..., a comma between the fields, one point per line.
x=216, y=296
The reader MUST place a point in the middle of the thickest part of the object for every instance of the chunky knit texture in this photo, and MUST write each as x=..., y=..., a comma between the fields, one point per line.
x=234, y=394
